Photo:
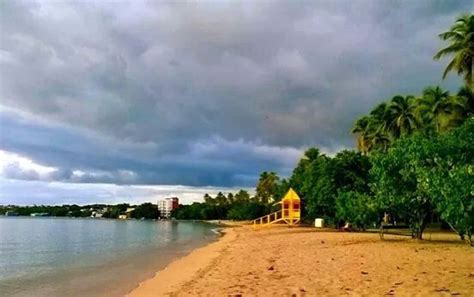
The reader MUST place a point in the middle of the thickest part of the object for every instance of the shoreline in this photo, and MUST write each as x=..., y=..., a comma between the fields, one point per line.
x=281, y=261
x=105, y=258
x=181, y=271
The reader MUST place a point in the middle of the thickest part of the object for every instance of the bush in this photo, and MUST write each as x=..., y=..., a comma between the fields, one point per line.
x=356, y=208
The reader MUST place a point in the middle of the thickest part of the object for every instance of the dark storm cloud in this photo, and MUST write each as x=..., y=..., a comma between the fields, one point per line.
x=76, y=155
x=202, y=93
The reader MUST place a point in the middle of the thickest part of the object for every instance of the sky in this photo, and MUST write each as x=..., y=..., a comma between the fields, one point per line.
x=134, y=101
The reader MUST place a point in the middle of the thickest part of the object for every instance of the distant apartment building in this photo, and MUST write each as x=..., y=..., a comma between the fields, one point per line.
x=166, y=205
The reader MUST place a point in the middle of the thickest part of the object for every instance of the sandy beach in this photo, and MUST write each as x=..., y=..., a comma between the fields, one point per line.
x=283, y=261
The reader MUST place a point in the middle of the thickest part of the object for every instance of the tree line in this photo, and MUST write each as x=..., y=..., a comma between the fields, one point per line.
x=145, y=210
x=238, y=206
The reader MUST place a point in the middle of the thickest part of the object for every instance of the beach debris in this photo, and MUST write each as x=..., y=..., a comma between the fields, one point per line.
x=364, y=272
x=398, y=283
x=271, y=268
x=442, y=289
x=302, y=290
x=471, y=274
x=398, y=268
x=455, y=294
x=235, y=295
x=323, y=242
x=415, y=279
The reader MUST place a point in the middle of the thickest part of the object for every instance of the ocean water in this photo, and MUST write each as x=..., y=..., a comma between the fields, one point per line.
x=89, y=257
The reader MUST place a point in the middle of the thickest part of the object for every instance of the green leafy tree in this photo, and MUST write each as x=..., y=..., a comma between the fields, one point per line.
x=318, y=179
x=230, y=198
x=237, y=206
x=242, y=196
x=146, y=211
x=247, y=210
x=449, y=177
x=221, y=199
x=461, y=48
x=319, y=189
x=357, y=208
x=193, y=211
x=396, y=186
x=313, y=180
x=352, y=171
x=299, y=174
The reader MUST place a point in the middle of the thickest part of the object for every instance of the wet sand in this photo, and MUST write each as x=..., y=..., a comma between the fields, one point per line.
x=281, y=261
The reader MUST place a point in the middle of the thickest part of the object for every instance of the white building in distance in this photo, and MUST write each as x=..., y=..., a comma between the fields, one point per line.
x=166, y=205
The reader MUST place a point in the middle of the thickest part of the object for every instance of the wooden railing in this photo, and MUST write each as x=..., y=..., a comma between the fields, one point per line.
x=268, y=219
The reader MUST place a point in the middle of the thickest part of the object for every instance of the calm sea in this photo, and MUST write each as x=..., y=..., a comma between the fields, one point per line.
x=89, y=257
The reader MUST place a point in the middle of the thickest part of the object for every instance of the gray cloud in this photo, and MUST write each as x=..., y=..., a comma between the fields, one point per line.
x=75, y=155
x=38, y=192
x=203, y=93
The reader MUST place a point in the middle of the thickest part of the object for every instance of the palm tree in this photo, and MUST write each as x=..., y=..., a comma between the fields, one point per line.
x=380, y=140
x=466, y=98
x=461, y=47
x=372, y=131
x=435, y=107
x=402, y=110
x=361, y=128
x=266, y=186
x=380, y=117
